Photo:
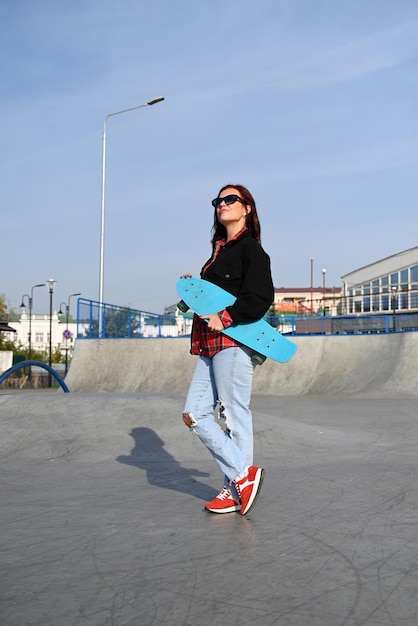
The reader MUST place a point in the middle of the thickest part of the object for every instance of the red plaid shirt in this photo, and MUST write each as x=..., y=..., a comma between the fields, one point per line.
x=207, y=342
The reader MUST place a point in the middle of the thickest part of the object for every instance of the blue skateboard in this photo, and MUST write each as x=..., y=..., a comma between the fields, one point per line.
x=205, y=298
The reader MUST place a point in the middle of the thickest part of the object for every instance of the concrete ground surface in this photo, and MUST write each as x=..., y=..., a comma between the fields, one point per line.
x=102, y=519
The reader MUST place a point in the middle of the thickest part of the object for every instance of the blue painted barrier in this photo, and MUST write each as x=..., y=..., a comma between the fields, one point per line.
x=38, y=364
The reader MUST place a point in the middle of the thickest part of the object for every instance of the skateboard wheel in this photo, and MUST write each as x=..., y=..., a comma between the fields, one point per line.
x=258, y=359
x=182, y=306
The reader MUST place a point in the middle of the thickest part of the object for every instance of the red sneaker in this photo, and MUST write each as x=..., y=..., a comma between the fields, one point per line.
x=223, y=503
x=248, y=487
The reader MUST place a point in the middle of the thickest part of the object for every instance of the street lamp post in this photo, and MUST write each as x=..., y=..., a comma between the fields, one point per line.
x=51, y=284
x=324, y=271
x=394, y=290
x=30, y=306
x=102, y=221
x=311, y=286
x=67, y=317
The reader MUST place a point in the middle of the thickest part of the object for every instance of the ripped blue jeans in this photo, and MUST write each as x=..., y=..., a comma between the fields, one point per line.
x=224, y=380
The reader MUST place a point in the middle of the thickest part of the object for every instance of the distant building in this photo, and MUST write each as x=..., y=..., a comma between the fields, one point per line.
x=387, y=285
x=307, y=301
x=40, y=325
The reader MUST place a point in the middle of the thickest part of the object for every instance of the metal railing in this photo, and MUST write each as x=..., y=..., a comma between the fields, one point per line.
x=348, y=324
x=126, y=323
x=109, y=321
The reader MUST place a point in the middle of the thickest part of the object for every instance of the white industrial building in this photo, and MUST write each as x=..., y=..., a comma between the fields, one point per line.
x=387, y=285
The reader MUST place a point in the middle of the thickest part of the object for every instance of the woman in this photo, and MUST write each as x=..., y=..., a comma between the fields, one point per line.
x=224, y=371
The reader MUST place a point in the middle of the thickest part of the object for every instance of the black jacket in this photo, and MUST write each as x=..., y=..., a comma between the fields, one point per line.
x=242, y=267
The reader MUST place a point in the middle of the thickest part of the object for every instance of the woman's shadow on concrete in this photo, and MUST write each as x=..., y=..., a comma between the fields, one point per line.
x=162, y=469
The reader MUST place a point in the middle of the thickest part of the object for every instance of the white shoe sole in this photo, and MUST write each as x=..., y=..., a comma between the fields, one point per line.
x=230, y=509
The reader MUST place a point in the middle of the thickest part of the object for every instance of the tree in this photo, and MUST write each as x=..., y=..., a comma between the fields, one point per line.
x=121, y=323
x=3, y=308
x=5, y=344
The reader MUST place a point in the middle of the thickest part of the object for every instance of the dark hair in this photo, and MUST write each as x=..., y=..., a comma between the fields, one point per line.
x=252, y=221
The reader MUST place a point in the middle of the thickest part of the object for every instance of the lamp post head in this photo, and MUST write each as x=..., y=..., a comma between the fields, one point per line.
x=155, y=100
x=324, y=271
x=31, y=292
x=69, y=299
x=23, y=305
x=51, y=284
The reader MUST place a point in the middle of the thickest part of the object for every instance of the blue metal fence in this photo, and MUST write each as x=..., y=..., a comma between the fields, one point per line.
x=355, y=324
x=108, y=321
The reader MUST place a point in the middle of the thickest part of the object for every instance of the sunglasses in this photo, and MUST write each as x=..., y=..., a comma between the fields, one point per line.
x=228, y=200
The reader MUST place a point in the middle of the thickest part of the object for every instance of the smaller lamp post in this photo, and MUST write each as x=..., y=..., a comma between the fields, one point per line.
x=324, y=271
x=67, y=316
x=394, y=290
x=312, y=311
x=51, y=284
x=30, y=306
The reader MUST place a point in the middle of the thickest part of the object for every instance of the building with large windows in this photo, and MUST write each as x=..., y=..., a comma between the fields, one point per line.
x=387, y=285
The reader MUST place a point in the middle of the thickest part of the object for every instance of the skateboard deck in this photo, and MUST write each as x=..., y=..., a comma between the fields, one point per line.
x=203, y=297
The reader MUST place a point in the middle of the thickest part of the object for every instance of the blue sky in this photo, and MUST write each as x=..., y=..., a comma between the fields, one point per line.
x=312, y=104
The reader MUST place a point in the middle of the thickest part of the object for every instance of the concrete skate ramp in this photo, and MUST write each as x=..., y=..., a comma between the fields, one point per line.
x=350, y=365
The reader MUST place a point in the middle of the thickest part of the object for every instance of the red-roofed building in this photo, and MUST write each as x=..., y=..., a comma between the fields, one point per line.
x=306, y=300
